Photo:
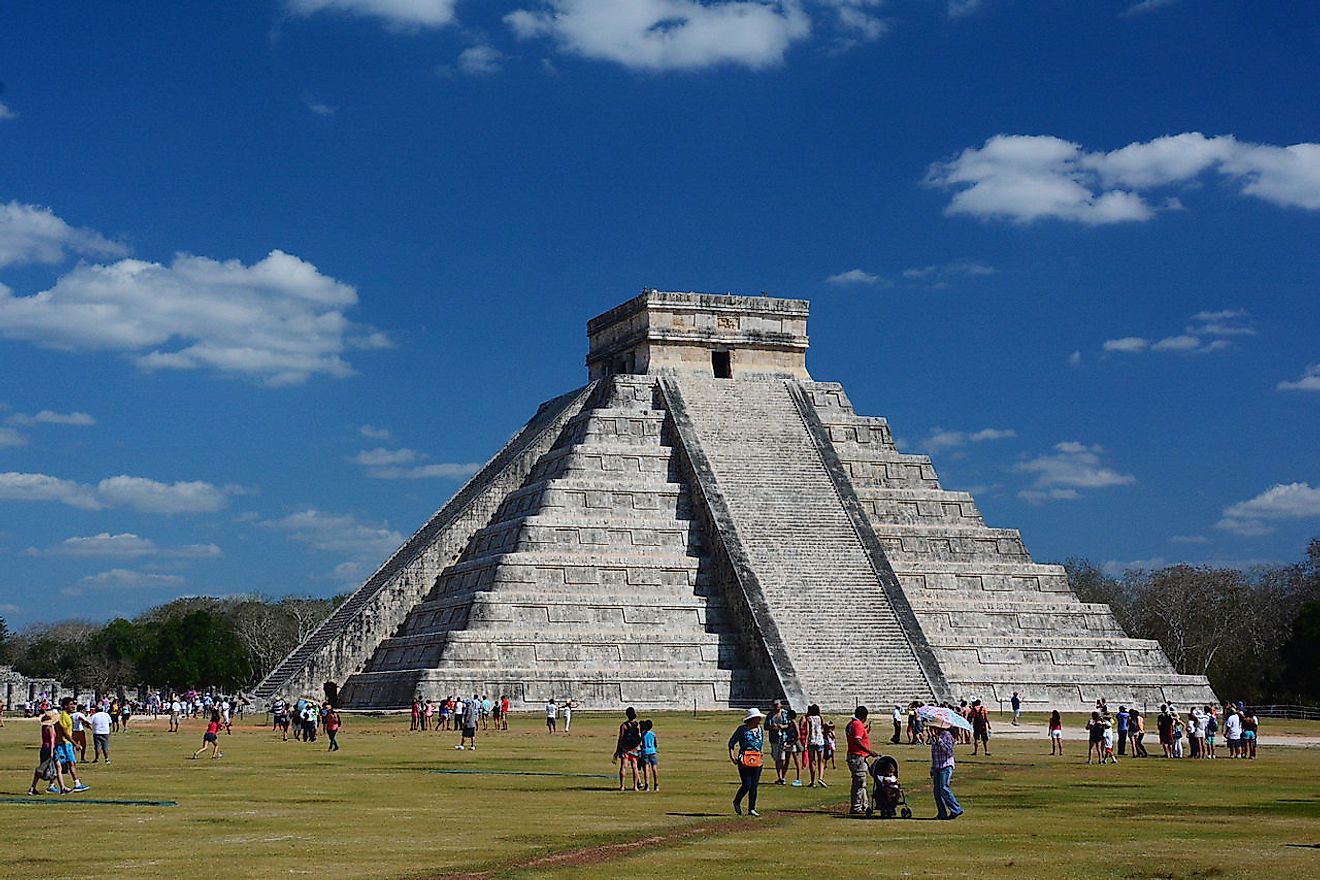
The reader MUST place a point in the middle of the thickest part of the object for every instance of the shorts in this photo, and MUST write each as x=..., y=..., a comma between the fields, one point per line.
x=469, y=733
x=46, y=754
x=80, y=738
x=102, y=742
x=1056, y=733
x=650, y=760
x=1248, y=735
x=816, y=747
x=777, y=752
x=1234, y=743
x=982, y=735
x=209, y=738
x=1209, y=739
x=64, y=753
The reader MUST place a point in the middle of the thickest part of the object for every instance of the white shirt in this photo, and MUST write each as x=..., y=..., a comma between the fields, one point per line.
x=100, y=722
x=176, y=707
x=78, y=720
x=898, y=715
x=551, y=710
x=1233, y=726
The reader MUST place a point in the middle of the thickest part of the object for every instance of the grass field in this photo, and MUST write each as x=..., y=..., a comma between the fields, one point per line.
x=379, y=809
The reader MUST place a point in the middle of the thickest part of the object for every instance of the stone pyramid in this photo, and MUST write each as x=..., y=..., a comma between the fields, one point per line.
x=704, y=525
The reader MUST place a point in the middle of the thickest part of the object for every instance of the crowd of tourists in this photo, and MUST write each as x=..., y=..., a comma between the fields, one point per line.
x=306, y=719
x=454, y=713
x=1191, y=735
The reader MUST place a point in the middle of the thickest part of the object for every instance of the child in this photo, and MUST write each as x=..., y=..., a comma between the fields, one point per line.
x=829, y=745
x=1109, y=745
x=1178, y=731
x=1056, y=734
x=211, y=737
x=650, y=758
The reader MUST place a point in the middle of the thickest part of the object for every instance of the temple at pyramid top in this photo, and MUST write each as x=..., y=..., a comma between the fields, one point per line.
x=703, y=524
x=709, y=334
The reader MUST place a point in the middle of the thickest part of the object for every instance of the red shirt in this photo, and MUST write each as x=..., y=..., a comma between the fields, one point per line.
x=213, y=727
x=859, y=741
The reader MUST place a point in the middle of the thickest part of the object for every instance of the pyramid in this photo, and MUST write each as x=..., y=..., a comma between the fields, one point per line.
x=703, y=525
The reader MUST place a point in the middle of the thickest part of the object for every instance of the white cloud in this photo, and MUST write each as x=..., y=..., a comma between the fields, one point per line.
x=1115, y=567
x=1226, y=322
x=962, y=8
x=1280, y=501
x=125, y=546
x=1189, y=539
x=857, y=22
x=134, y=493
x=33, y=234
x=279, y=320
x=1177, y=343
x=1030, y=177
x=378, y=457
x=5, y=112
x=1129, y=344
x=857, y=276
x=968, y=268
x=320, y=108
x=1072, y=466
x=49, y=417
x=374, y=432
x=10, y=437
x=1075, y=358
x=480, y=60
x=123, y=579
x=366, y=544
x=661, y=35
x=403, y=14
x=942, y=439
x=1144, y=6
x=1308, y=381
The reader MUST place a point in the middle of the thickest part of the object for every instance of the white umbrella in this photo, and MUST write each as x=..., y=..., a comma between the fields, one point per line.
x=943, y=717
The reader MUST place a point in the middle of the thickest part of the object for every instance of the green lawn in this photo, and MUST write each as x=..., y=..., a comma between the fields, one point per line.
x=378, y=809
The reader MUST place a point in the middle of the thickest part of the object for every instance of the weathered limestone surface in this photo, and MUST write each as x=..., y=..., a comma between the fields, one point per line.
x=16, y=688
x=667, y=537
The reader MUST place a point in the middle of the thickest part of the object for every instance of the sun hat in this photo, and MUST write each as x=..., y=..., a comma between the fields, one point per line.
x=753, y=713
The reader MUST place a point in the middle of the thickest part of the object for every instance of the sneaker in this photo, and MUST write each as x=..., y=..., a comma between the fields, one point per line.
x=797, y=783
x=54, y=789
x=737, y=808
x=460, y=748
x=107, y=762
x=32, y=792
x=823, y=784
x=781, y=782
x=754, y=814
x=81, y=787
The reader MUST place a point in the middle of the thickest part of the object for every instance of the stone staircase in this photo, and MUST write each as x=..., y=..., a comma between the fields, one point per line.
x=842, y=635
x=588, y=582
x=997, y=621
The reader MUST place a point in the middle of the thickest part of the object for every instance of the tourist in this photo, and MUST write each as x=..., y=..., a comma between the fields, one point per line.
x=980, y=728
x=427, y=713
x=551, y=715
x=792, y=746
x=1095, y=737
x=745, y=750
x=211, y=737
x=100, y=723
x=569, y=705
x=226, y=716
x=627, y=748
x=859, y=749
x=1164, y=725
x=1108, y=738
x=80, y=733
x=650, y=757
x=831, y=746
x=1176, y=747
x=815, y=740
x=504, y=712
x=1233, y=731
x=1250, y=724
x=331, y=722
x=1195, y=732
x=941, y=774
x=486, y=707
x=1016, y=703
x=1137, y=730
x=897, y=717
x=280, y=709
x=176, y=711
x=125, y=711
x=471, y=717
x=775, y=725
x=64, y=751
x=1056, y=733
x=1124, y=718
x=1211, y=728
x=912, y=723
x=496, y=712
x=48, y=766
x=414, y=717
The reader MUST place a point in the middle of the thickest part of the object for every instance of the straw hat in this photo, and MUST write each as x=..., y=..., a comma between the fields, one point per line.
x=752, y=713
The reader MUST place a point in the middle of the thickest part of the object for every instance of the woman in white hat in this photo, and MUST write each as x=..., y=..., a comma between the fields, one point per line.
x=745, y=752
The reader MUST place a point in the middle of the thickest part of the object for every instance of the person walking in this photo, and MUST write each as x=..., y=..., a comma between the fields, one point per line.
x=100, y=724
x=627, y=748
x=650, y=758
x=775, y=726
x=48, y=765
x=64, y=745
x=816, y=744
x=1017, y=709
x=331, y=722
x=745, y=751
x=897, y=717
x=471, y=717
x=941, y=774
x=980, y=728
x=859, y=749
x=551, y=715
x=211, y=738
x=80, y=725
x=569, y=705
x=1137, y=729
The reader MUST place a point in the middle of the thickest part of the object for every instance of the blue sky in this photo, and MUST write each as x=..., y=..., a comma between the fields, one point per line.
x=272, y=279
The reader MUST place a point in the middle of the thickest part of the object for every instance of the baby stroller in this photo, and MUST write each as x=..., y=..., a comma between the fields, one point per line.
x=888, y=796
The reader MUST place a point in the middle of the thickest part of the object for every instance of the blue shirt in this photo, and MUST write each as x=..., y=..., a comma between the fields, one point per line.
x=1122, y=721
x=747, y=739
x=648, y=743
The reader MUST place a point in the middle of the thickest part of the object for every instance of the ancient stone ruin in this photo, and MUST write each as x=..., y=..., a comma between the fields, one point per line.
x=704, y=524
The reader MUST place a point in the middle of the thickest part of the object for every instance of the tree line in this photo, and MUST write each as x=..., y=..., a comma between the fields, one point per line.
x=1254, y=633
x=228, y=643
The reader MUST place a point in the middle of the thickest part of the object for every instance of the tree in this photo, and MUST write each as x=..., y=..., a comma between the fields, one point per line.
x=6, y=643
x=198, y=649
x=1301, y=654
